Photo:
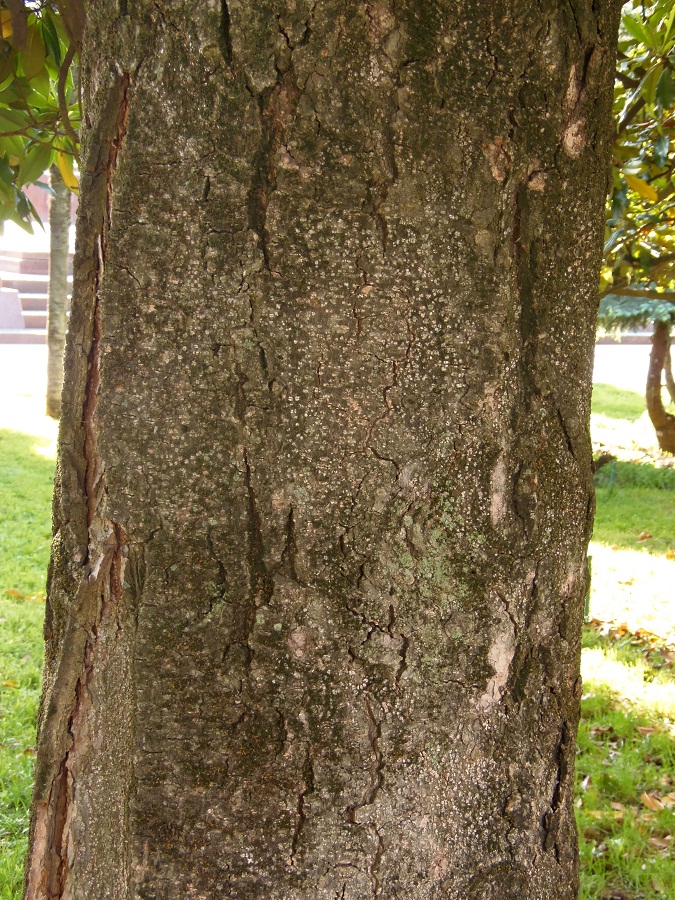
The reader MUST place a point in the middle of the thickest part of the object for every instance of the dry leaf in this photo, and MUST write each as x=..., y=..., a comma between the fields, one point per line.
x=9, y=683
x=13, y=593
x=29, y=751
x=643, y=730
x=644, y=536
x=659, y=843
x=618, y=806
x=670, y=554
x=651, y=802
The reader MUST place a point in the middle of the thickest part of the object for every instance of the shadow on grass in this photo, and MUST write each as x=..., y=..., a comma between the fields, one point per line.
x=615, y=403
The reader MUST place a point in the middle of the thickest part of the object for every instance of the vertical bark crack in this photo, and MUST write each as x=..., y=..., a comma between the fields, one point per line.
x=308, y=788
x=225, y=33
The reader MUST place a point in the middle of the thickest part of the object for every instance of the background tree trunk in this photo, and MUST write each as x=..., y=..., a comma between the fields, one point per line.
x=59, y=225
x=663, y=422
x=325, y=484
x=668, y=369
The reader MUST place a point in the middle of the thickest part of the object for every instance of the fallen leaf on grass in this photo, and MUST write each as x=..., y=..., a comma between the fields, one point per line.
x=659, y=843
x=606, y=813
x=9, y=683
x=658, y=887
x=29, y=751
x=651, y=802
x=644, y=730
x=670, y=554
x=13, y=593
x=644, y=536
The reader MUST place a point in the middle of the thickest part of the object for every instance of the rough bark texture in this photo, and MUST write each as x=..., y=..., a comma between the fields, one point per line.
x=59, y=224
x=663, y=422
x=668, y=369
x=325, y=476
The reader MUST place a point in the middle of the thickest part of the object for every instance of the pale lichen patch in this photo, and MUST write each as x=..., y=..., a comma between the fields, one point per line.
x=574, y=138
x=498, y=501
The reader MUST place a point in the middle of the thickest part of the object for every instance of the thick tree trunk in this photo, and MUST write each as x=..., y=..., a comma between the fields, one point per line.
x=668, y=369
x=59, y=224
x=325, y=484
x=663, y=422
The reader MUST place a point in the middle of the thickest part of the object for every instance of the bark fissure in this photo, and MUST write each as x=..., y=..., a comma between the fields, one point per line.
x=551, y=819
x=301, y=816
x=276, y=107
x=225, y=35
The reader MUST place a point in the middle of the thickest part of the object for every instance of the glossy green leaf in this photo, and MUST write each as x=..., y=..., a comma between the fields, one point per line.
x=51, y=38
x=32, y=57
x=35, y=163
x=665, y=89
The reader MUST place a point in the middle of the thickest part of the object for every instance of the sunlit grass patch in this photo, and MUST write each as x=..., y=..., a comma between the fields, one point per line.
x=615, y=403
x=25, y=503
x=625, y=798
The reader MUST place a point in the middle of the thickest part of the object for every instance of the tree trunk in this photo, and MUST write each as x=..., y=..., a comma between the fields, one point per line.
x=668, y=369
x=59, y=224
x=663, y=422
x=325, y=484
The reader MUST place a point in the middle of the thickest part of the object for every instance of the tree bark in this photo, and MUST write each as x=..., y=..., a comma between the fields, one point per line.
x=668, y=369
x=57, y=304
x=325, y=484
x=663, y=422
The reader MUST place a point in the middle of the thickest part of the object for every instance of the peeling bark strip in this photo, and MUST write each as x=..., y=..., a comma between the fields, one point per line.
x=99, y=565
x=324, y=483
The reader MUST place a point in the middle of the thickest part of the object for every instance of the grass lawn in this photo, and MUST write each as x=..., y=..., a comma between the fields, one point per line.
x=25, y=502
x=626, y=756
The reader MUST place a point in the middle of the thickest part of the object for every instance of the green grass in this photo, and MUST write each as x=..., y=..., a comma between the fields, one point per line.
x=626, y=757
x=25, y=503
x=614, y=403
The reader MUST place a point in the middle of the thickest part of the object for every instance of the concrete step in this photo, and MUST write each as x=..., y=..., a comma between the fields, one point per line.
x=33, y=301
x=29, y=264
x=30, y=284
x=35, y=319
x=23, y=336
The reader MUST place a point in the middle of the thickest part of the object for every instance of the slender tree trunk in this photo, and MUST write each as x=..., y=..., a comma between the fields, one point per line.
x=59, y=224
x=325, y=485
x=663, y=422
x=668, y=369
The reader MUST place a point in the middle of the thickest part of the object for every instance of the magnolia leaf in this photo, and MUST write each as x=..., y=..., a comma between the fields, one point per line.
x=32, y=57
x=35, y=163
x=661, y=147
x=65, y=163
x=665, y=89
x=5, y=23
x=651, y=802
x=641, y=187
x=51, y=38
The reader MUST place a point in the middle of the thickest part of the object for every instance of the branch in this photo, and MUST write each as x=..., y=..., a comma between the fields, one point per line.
x=63, y=105
x=19, y=22
x=656, y=267
x=74, y=17
x=651, y=294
